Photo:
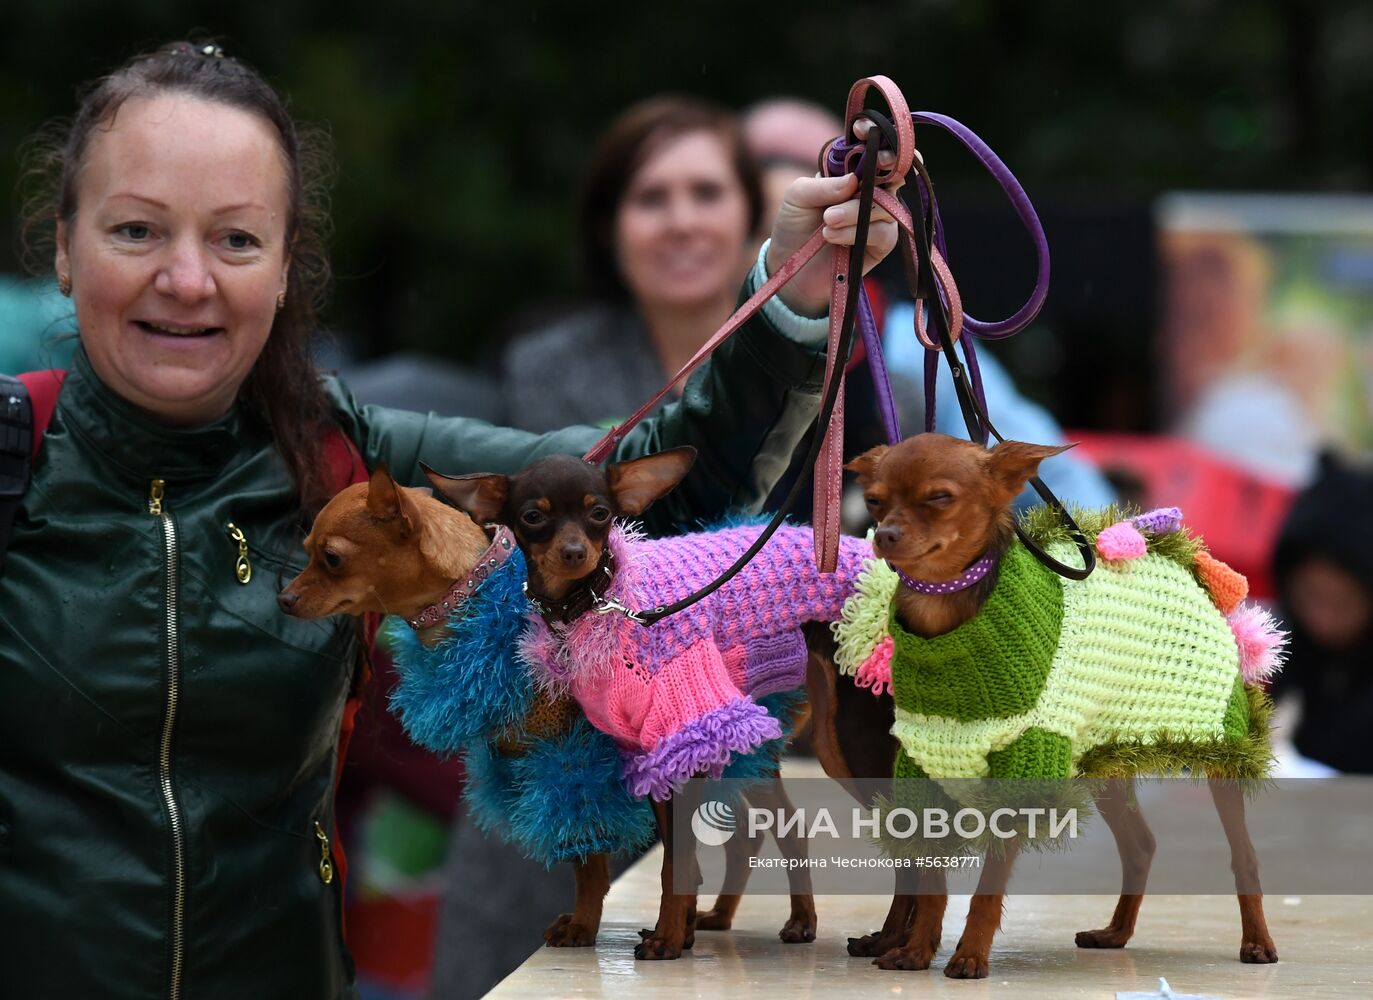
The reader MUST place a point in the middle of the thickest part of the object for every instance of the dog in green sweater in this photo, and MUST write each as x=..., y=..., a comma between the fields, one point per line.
x=1002, y=669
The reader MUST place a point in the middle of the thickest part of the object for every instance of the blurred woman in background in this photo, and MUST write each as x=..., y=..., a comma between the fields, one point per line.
x=666, y=216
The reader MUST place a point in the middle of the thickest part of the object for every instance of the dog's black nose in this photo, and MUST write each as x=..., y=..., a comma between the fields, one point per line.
x=573, y=555
x=286, y=600
x=887, y=536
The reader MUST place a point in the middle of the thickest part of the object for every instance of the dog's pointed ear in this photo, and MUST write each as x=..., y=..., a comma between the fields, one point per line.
x=865, y=465
x=386, y=501
x=640, y=481
x=481, y=494
x=1014, y=463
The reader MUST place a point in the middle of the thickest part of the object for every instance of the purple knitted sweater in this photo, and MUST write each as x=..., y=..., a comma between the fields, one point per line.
x=678, y=696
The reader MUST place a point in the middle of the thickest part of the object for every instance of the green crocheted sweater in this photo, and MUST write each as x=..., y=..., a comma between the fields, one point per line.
x=1131, y=671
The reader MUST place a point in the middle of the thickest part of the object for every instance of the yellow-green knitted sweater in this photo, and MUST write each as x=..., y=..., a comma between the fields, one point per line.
x=1133, y=670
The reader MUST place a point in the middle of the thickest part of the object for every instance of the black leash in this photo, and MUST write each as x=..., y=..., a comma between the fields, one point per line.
x=920, y=274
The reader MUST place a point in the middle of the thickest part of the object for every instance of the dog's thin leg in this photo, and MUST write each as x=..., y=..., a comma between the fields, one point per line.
x=673, y=932
x=801, y=923
x=1256, y=946
x=1135, y=842
x=896, y=928
x=971, y=957
x=578, y=928
x=739, y=850
x=916, y=949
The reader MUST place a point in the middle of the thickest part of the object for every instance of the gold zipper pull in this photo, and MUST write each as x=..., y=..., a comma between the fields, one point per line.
x=326, y=863
x=155, y=492
x=243, y=569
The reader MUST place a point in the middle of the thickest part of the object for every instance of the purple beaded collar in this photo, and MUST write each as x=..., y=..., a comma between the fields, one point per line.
x=977, y=571
x=502, y=545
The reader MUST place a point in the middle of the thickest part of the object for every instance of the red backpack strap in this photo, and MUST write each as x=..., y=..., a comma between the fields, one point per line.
x=43, y=388
x=26, y=405
x=344, y=466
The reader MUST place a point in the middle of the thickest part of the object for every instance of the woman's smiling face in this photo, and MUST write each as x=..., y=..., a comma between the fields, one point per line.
x=177, y=252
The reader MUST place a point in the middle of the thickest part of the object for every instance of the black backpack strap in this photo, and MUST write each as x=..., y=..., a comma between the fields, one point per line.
x=16, y=454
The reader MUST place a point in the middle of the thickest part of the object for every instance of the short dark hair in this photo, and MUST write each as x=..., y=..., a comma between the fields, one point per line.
x=283, y=388
x=621, y=150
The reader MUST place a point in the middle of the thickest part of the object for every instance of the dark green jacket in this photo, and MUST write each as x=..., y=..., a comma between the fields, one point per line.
x=168, y=738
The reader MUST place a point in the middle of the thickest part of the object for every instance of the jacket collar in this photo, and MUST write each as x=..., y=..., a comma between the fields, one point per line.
x=136, y=442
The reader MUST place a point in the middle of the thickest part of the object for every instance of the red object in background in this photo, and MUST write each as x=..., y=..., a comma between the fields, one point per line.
x=392, y=941
x=392, y=936
x=1237, y=513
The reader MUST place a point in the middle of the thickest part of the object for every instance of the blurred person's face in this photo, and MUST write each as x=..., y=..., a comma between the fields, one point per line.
x=682, y=227
x=1332, y=605
x=177, y=252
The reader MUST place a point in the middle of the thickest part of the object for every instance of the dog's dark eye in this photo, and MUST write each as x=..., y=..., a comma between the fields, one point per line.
x=599, y=515
x=872, y=502
x=533, y=517
x=940, y=499
x=332, y=559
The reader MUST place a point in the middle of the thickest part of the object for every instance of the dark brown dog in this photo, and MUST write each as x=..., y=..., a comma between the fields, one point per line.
x=940, y=503
x=561, y=510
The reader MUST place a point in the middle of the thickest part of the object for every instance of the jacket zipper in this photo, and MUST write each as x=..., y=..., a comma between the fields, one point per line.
x=164, y=761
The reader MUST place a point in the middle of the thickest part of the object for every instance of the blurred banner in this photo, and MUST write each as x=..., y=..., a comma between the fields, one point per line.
x=1267, y=326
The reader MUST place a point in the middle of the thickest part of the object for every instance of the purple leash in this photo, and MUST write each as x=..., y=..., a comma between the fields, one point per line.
x=972, y=327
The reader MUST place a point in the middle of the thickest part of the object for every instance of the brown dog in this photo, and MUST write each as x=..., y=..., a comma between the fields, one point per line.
x=941, y=504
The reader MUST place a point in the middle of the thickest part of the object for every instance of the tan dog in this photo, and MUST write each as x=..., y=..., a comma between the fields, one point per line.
x=941, y=506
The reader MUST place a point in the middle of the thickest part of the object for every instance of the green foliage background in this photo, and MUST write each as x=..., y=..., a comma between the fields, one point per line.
x=459, y=130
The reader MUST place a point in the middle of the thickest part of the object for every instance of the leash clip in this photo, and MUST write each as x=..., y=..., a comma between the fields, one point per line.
x=606, y=605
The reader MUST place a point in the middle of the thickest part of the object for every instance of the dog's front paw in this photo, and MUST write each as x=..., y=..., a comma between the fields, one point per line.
x=566, y=933
x=799, y=929
x=657, y=949
x=1106, y=937
x=873, y=945
x=906, y=959
x=1260, y=952
x=688, y=942
x=714, y=920
x=967, y=966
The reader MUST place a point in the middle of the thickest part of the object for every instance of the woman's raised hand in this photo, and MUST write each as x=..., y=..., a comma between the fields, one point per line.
x=831, y=202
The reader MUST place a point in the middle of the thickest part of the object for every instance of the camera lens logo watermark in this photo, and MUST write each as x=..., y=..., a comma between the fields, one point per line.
x=713, y=823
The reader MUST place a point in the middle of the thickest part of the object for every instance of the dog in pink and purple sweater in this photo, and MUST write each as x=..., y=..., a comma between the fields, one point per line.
x=678, y=696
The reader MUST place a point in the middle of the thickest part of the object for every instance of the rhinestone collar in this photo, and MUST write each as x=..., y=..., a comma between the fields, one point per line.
x=502, y=545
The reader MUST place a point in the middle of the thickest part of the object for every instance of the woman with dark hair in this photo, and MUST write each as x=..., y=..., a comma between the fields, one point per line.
x=667, y=212
x=168, y=740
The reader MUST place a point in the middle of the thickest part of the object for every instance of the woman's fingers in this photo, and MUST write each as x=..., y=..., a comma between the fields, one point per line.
x=818, y=192
x=841, y=222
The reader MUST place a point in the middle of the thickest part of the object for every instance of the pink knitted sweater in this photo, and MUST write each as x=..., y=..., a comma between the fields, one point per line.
x=678, y=696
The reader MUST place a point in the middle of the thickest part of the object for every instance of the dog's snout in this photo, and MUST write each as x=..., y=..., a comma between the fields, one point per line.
x=573, y=554
x=886, y=536
x=286, y=600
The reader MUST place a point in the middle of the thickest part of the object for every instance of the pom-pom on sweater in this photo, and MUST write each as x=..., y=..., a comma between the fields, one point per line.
x=1133, y=670
x=678, y=696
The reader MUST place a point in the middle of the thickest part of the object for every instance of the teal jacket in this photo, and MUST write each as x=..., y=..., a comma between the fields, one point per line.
x=168, y=738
